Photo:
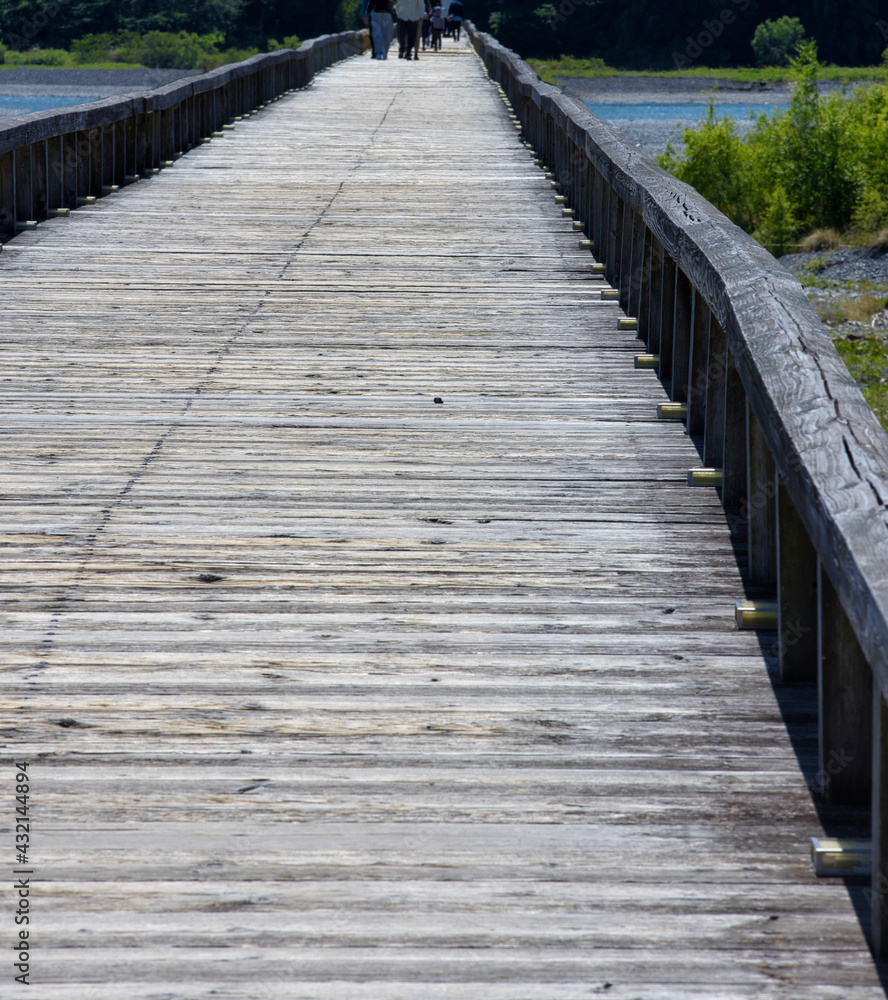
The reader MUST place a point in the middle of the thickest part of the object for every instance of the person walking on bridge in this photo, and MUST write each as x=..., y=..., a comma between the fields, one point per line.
x=381, y=15
x=410, y=18
x=456, y=15
x=365, y=17
x=438, y=24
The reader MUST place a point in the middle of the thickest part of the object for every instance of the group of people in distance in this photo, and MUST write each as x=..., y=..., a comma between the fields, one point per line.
x=417, y=21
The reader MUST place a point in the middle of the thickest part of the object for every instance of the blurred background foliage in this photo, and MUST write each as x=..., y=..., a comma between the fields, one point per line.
x=629, y=34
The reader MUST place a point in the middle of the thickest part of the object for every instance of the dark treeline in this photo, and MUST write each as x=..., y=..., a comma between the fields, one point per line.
x=628, y=34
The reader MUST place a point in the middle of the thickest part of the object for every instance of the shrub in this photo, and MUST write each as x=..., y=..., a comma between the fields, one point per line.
x=871, y=211
x=716, y=163
x=777, y=227
x=811, y=149
x=215, y=59
x=774, y=41
x=820, y=164
x=104, y=47
x=38, y=57
x=166, y=50
x=162, y=49
x=820, y=239
x=290, y=42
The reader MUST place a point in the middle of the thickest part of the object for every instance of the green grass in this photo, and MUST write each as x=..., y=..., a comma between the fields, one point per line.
x=867, y=360
x=567, y=66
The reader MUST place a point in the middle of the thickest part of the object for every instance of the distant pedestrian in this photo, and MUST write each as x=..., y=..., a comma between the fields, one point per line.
x=426, y=31
x=365, y=17
x=410, y=17
x=438, y=25
x=456, y=14
x=382, y=19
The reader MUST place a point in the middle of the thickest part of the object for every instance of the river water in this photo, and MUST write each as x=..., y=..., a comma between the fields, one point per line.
x=651, y=125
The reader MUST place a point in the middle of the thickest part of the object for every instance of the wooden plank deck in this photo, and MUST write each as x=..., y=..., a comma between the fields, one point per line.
x=464, y=713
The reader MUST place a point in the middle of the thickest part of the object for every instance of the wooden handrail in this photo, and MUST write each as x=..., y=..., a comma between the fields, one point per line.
x=54, y=161
x=768, y=401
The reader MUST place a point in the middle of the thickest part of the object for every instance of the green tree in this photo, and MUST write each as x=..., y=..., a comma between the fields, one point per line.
x=774, y=42
x=717, y=162
x=348, y=15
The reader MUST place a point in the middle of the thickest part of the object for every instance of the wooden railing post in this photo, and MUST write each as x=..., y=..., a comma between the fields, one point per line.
x=84, y=164
x=131, y=155
x=600, y=199
x=38, y=181
x=698, y=366
x=143, y=145
x=7, y=194
x=655, y=297
x=23, y=184
x=71, y=164
x=878, y=891
x=682, y=330
x=55, y=184
x=167, y=140
x=119, y=170
x=613, y=218
x=762, y=509
x=108, y=156
x=716, y=397
x=154, y=158
x=646, y=287
x=624, y=253
x=845, y=703
x=667, y=320
x=95, y=162
x=636, y=265
x=614, y=260
x=734, y=484
x=796, y=594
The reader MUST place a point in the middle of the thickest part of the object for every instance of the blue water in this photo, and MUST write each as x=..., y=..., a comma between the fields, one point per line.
x=681, y=112
x=13, y=104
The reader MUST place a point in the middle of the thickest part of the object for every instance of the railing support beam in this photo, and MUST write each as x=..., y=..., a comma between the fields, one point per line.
x=845, y=703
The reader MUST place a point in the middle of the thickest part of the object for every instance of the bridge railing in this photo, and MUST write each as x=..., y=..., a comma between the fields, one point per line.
x=801, y=458
x=54, y=161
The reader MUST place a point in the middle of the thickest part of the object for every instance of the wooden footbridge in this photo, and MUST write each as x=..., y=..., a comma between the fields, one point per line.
x=369, y=628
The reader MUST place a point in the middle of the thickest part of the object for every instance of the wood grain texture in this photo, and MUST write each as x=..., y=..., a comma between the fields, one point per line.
x=333, y=691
